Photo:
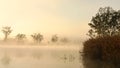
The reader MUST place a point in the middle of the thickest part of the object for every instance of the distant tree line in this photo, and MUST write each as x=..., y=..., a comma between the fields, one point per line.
x=37, y=37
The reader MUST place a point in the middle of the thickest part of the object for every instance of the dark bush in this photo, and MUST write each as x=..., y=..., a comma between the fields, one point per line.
x=103, y=52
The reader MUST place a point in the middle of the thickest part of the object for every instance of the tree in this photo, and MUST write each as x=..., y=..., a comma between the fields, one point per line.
x=20, y=37
x=105, y=23
x=54, y=38
x=64, y=40
x=6, y=30
x=37, y=37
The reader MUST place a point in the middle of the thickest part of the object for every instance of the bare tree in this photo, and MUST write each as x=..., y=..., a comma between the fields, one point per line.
x=6, y=30
x=37, y=37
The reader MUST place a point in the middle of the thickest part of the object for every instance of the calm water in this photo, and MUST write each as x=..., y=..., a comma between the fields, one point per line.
x=40, y=57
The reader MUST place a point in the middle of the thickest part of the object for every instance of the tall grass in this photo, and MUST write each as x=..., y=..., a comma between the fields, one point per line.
x=102, y=52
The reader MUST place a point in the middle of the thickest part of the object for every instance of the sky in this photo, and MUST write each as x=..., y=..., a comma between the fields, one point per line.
x=49, y=17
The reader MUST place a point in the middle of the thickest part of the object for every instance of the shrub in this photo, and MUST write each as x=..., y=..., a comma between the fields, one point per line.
x=103, y=50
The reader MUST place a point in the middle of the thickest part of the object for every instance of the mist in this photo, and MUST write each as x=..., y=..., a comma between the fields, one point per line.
x=49, y=33
x=36, y=57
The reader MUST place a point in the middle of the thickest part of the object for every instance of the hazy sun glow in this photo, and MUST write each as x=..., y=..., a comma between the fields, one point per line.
x=63, y=17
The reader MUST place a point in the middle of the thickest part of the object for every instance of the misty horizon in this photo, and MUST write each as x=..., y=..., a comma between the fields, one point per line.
x=67, y=18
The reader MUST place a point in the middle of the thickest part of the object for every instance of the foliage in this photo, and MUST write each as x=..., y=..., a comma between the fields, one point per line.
x=54, y=38
x=105, y=49
x=37, y=37
x=20, y=37
x=6, y=30
x=105, y=23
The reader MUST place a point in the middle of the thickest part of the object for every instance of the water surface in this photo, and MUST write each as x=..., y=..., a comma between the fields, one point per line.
x=40, y=56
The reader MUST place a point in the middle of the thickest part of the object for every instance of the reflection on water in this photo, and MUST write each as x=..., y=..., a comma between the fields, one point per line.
x=68, y=58
x=5, y=60
x=39, y=57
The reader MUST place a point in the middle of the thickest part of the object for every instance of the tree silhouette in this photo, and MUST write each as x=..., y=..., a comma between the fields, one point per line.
x=6, y=30
x=54, y=38
x=64, y=40
x=105, y=23
x=37, y=37
x=20, y=37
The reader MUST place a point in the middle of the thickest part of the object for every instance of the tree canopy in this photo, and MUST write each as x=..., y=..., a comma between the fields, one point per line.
x=105, y=23
x=54, y=38
x=20, y=37
x=37, y=37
